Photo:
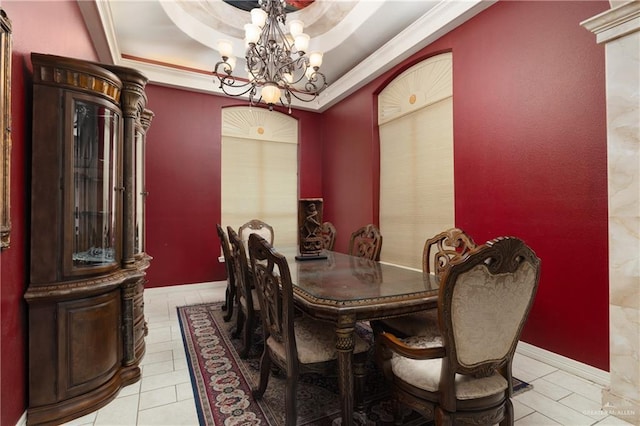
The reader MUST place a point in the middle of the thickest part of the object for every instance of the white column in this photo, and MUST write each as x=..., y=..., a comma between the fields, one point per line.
x=619, y=28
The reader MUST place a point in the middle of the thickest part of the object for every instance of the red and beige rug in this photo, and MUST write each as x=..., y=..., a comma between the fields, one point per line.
x=222, y=382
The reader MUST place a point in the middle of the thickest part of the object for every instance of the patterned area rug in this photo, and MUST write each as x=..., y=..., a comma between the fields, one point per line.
x=222, y=381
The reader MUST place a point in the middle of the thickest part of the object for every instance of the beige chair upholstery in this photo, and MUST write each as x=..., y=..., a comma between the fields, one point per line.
x=292, y=342
x=248, y=305
x=328, y=235
x=230, y=293
x=366, y=242
x=464, y=372
x=255, y=226
x=438, y=252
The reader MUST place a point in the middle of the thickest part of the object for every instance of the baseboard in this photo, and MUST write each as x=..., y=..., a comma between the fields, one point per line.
x=22, y=421
x=566, y=364
x=184, y=287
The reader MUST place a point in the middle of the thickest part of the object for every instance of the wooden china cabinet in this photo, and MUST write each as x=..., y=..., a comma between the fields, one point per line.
x=87, y=265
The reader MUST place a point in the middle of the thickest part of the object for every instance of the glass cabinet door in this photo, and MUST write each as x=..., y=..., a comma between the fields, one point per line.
x=96, y=130
x=139, y=193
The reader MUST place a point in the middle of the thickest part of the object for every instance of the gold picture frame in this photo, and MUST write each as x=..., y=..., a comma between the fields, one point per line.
x=5, y=126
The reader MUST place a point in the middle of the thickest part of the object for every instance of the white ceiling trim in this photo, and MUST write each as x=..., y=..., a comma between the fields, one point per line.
x=439, y=20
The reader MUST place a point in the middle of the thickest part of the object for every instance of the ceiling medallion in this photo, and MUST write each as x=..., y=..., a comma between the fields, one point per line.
x=276, y=61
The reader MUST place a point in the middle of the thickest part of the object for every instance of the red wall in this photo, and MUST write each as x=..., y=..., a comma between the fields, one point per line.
x=183, y=181
x=529, y=155
x=41, y=32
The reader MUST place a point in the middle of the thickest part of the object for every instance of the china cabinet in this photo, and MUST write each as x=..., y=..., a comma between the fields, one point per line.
x=87, y=264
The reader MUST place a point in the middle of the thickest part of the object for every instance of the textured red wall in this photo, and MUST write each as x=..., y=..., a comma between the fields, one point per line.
x=183, y=180
x=41, y=32
x=350, y=169
x=530, y=158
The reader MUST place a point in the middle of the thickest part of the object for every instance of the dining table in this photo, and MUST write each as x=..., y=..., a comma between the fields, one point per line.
x=343, y=290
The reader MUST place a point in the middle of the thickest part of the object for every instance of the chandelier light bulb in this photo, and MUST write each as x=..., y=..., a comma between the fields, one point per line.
x=315, y=59
x=288, y=77
x=225, y=48
x=302, y=42
x=251, y=33
x=270, y=93
x=258, y=17
x=296, y=27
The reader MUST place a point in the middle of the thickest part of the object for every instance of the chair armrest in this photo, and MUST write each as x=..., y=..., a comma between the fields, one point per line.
x=398, y=346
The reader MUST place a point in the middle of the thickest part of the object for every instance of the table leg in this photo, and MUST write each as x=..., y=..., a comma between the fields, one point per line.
x=345, y=343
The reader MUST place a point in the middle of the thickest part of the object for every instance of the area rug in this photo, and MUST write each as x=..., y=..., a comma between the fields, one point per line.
x=222, y=381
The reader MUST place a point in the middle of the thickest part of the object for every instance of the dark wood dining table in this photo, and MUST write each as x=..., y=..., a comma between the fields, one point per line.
x=343, y=290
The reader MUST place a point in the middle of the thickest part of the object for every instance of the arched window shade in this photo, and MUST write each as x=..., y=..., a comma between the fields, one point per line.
x=260, y=170
x=415, y=116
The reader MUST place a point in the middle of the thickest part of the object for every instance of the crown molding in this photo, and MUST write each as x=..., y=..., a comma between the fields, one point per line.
x=438, y=21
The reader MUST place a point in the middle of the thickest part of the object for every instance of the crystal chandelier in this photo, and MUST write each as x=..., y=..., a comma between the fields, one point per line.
x=277, y=65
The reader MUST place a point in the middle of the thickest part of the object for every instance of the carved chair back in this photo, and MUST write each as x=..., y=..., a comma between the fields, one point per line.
x=275, y=291
x=241, y=264
x=366, y=242
x=255, y=226
x=444, y=247
x=230, y=268
x=485, y=299
x=247, y=316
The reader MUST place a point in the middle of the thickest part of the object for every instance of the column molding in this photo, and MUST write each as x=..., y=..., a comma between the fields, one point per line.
x=619, y=30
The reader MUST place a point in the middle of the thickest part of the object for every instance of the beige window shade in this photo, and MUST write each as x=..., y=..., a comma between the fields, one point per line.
x=416, y=168
x=260, y=171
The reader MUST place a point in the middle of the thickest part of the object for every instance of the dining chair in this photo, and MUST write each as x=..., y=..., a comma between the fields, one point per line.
x=248, y=304
x=230, y=292
x=463, y=374
x=292, y=342
x=255, y=226
x=438, y=252
x=366, y=242
x=328, y=235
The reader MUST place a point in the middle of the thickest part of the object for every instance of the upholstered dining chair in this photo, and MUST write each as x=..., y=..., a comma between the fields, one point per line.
x=328, y=235
x=248, y=304
x=230, y=292
x=463, y=374
x=292, y=342
x=438, y=252
x=255, y=226
x=366, y=242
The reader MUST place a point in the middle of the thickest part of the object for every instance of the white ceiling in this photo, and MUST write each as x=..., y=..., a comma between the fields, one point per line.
x=173, y=42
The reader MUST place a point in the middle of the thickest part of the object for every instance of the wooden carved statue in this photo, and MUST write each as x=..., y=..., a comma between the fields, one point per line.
x=310, y=239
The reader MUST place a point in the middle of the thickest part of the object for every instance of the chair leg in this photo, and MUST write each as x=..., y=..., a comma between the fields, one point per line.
x=398, y=414
x=290, y=397
x=443, y=418
x=247, y=335
x=240, y=320
x=228, y=304
x=265, y=370
x=508, y=414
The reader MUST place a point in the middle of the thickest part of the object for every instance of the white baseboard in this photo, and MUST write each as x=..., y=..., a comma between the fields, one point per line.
x=22, y=421
x=566, y=364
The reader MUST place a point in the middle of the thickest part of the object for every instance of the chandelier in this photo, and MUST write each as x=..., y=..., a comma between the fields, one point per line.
x=277, y=65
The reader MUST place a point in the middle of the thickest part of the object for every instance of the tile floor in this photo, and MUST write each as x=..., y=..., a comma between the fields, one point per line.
x=164, y=396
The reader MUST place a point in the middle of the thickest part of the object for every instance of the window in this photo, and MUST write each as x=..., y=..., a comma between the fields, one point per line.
x=415, y=117
x=260, y=170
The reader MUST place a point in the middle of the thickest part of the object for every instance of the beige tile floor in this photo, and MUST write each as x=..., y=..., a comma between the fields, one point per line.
x=164, y=395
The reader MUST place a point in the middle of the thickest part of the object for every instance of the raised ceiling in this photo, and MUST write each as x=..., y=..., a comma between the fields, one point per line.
x=173, y=42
